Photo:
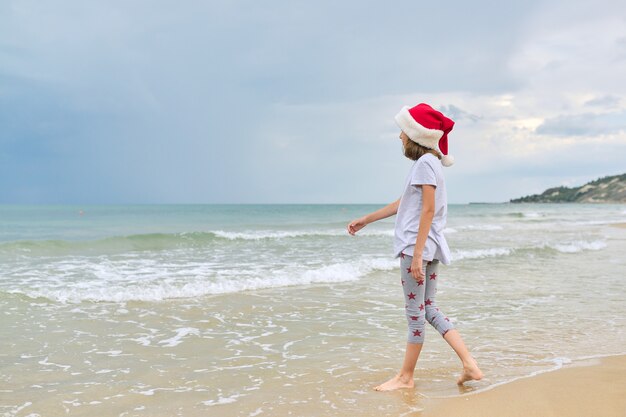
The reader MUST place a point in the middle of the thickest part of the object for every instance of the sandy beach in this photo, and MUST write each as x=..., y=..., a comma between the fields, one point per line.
x=593, y=387
x=284, y=314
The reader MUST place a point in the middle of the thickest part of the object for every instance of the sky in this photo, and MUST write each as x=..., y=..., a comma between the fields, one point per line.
x=161, y=102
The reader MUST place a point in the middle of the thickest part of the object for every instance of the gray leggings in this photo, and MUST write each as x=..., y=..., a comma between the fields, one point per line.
x=419, y=297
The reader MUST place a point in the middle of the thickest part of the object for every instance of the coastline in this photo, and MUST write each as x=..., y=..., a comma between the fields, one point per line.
x=284, y=314
x=588, y=387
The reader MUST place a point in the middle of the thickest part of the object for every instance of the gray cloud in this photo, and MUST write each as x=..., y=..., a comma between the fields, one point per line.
x=244, y=102
x=587, y=124
x=456, y=113
x=607, y=101
x=144, y=101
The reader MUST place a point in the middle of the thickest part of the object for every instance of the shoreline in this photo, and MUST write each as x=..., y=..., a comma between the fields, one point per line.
x=584, y=387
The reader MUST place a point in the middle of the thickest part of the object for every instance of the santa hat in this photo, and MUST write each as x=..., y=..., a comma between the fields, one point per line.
x=428, y=127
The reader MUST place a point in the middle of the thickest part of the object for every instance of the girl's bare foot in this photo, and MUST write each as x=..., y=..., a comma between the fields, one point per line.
x=470, y=371
x=396, y=382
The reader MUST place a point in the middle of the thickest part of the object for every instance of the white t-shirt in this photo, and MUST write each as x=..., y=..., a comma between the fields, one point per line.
x=426, y=170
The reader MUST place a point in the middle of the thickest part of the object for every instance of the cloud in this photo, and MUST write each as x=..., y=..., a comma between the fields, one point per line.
x=242, y=102
x=606, y=101
x=587, y=124
x=456, y=113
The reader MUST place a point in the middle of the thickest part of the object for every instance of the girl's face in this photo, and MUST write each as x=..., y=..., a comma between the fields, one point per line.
x=404, y=138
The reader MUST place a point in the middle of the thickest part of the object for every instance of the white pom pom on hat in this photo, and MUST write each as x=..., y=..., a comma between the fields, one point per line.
x=428, y=127
x=447, y=160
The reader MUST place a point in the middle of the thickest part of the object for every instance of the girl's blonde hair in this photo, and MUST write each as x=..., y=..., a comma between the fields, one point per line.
x=415, y=151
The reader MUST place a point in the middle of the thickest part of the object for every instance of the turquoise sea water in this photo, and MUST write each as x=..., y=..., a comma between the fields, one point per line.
x=184, y=309
x=113, y=249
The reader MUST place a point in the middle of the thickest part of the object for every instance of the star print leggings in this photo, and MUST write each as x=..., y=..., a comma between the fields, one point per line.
x=419, y=296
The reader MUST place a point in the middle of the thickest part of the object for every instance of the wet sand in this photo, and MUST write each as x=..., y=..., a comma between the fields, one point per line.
x=594, y=387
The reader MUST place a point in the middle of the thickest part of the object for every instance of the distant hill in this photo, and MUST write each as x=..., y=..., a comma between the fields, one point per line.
x=604, y=190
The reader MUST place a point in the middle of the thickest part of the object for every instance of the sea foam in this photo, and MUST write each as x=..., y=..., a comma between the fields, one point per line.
x=578, y=246
x=112, y=285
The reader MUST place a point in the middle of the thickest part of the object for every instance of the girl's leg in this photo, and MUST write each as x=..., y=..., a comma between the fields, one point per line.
x=415, y=313
x=439, y=321
x=470, y=366
x=434, y=315
x=414, y=308
x=416, y=318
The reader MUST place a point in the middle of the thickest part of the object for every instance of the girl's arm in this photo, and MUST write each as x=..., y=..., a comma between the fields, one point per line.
x=388, y=210
x=426, y=219
x=383, y=213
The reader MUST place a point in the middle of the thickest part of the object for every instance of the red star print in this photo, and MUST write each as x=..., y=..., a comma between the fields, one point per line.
x=447, y=319
x=402, y=255
x=411, y=296
x=420, y=282
x=417, y=333
x=422, y=307
x=428, y=302
x=433, y=276
x=408, y=270
x=403, y=282
x=413, y=317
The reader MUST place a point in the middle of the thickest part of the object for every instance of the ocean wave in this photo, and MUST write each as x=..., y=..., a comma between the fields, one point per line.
x=577, y=246
x=107, y=245
x=458, y=255
x=532, y=214
x=594, y=222
x=116, y=288
x=162, y=241
x=274, y=234
x=208, y=239
x=146, y=277
x=524, y=214
x=562, y=247
x=481, y=227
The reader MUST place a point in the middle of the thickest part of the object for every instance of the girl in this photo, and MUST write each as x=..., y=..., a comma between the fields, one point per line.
x=418, y=238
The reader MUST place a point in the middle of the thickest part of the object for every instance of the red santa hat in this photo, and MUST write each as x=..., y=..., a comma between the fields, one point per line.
x=428, y=127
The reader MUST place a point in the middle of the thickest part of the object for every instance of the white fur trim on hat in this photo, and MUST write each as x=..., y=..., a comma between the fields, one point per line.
x=416, y=132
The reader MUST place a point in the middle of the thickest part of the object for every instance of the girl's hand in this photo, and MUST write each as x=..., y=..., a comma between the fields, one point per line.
x=416, y=268
x=357, y=225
